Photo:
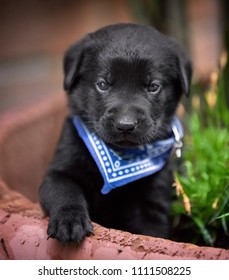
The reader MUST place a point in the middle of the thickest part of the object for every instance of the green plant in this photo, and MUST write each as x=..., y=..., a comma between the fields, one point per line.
x=203, y=187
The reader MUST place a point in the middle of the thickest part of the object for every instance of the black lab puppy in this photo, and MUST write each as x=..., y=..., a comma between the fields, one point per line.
x=124, y=82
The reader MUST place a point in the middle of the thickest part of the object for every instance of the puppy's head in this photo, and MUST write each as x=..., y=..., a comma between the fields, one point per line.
x=125, y=82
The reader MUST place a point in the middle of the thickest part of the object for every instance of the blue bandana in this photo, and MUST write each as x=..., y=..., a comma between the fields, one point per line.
x=120, y=166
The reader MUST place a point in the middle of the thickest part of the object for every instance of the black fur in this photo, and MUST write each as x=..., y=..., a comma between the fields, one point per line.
x=125, y=82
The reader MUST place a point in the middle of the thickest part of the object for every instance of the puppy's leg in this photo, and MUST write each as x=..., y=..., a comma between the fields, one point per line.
x=148, y=210
x=61, y=195
x=155, y=219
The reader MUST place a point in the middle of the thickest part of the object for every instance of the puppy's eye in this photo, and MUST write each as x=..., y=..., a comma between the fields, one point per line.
x=154, y=88
x=102, y=86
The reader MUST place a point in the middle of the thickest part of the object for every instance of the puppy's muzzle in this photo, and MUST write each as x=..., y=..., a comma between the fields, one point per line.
x=123, y=125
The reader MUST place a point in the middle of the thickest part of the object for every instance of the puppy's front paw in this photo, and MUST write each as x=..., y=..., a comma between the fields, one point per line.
x=70, y=224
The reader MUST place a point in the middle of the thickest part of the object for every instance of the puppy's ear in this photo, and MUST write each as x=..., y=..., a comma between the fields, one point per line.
x=185, y=72
x=73, y=60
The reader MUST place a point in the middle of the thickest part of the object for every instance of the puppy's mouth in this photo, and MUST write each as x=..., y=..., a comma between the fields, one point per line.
x=126, y=141
x=125, y=144
x=119, y=140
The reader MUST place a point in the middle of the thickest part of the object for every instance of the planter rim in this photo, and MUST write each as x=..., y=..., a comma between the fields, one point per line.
x=23, y=236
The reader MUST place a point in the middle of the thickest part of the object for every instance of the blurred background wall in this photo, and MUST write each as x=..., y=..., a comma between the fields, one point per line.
x=35, y=33
x=49, y=26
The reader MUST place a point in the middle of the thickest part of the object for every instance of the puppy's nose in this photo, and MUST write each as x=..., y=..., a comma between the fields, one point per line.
x=125, y=124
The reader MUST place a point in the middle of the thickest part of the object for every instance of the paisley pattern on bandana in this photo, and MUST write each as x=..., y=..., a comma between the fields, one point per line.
x=120, y=166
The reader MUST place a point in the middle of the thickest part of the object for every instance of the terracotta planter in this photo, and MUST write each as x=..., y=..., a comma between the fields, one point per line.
x=27, y=141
